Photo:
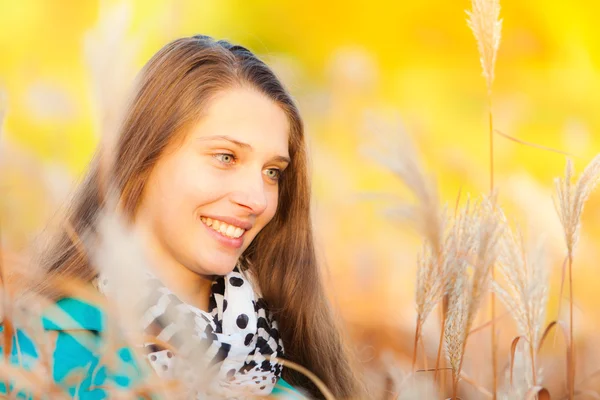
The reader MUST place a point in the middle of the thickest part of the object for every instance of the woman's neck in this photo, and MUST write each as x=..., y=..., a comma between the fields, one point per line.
x=191, y=287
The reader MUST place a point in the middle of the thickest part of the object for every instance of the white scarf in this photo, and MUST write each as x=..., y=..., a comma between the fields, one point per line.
x=231, y=339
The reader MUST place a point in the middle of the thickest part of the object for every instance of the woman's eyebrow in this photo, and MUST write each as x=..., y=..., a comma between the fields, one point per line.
x=227, y=138
x=281, y=159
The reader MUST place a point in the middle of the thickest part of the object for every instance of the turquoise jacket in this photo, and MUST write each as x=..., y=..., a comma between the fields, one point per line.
x=75, y=330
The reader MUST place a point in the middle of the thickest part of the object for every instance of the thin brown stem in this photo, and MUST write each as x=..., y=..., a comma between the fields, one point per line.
x=464, y=377
x=571, y=362
x=493, y=295
x=533, y=363
x=439, y=352
x=417, y=333
x=534, y=145
x=491, y=124
x=454, y=386
x=423, y=352
x=488, y=323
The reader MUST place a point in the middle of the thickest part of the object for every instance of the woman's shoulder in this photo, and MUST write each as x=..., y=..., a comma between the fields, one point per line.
x=77, y=327
x=71, y=313
x=69, y=335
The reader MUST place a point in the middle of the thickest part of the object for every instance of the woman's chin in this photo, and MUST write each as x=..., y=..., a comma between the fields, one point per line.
x=218, y=268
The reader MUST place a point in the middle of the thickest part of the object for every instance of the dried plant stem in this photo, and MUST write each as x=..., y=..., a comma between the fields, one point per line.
x=423, y=353
x=471, y=382
x=417, y=334
x=493, y=295
x=440, y=348
x=491, y=124
x=532, y=354
x=571, y=362
x=455, y=378
x=456, y=375
x=534, y=145
x=311, y=376
x=486, y=25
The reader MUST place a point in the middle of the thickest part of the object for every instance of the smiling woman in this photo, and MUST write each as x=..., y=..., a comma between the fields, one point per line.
x=210, y=169
x=226, y=169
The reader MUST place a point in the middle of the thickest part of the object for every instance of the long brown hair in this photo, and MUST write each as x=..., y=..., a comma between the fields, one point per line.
x=172, y=89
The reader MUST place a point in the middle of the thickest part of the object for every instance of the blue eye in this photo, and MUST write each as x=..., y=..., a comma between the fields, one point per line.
x=273, y=174
x=225, y=158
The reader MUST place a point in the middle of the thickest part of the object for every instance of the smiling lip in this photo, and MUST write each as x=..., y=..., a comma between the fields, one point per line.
x=235, y=243
x=245, y=225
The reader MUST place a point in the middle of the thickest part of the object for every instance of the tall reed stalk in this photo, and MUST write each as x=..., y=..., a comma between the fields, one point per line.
x=486, y=26
x=569, y=206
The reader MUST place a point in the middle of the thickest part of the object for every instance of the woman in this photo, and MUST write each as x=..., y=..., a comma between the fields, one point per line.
x=210, y=165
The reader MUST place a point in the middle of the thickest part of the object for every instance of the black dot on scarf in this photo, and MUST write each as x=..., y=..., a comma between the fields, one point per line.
x=218, y=286
x=266, y=365
x=224, y=305
x=248, y=339
x=262, y=387
x=235, y=281
x=242, y=321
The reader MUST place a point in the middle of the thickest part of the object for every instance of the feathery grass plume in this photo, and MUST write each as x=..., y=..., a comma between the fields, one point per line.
x=117, y=252
x=402, y=385
x=571, y=199
x=484, y=20
x=110, y=56
x=517, y=385
x=422, y=388
x=489, y=233
x=430, y=282
x=527, y=288
x=475, y=236
x=391, y=146
x=460, y=248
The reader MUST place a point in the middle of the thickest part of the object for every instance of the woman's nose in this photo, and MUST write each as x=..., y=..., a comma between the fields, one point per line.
x=251, y=194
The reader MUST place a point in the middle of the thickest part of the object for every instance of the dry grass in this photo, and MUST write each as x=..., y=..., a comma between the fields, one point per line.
x=474, y=241
x=569, y=205
x=525, y=294
x=484, y=20
x=455, y=266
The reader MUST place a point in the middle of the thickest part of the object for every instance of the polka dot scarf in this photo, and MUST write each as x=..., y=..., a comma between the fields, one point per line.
x=231, y=340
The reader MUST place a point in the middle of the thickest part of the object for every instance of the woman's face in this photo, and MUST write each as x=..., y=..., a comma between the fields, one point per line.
x=208, y=198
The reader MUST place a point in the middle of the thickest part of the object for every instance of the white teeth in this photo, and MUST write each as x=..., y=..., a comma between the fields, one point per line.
x=223, y=228
x=230, y=230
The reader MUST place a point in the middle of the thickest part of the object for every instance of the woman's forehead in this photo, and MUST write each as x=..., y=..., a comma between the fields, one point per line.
x=246, y=116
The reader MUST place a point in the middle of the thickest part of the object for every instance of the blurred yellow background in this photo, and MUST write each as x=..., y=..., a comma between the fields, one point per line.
x=339, y=59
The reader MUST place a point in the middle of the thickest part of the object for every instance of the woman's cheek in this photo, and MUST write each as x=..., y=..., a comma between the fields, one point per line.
x=273, y=202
